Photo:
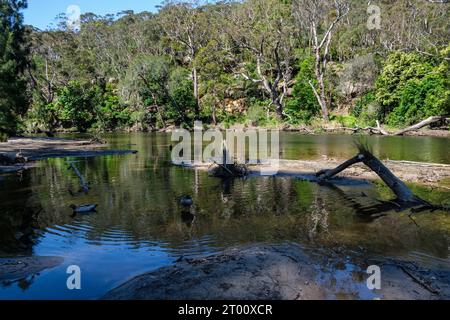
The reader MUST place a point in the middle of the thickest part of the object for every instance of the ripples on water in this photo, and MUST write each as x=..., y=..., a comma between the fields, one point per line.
x=139, y=225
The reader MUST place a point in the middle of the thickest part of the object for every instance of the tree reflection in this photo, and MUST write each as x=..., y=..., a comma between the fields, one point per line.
x=318, y=218
x=18, y=219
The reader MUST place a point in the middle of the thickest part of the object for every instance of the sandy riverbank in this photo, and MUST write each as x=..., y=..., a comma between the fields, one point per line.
x=33, y=149
x=431, y=174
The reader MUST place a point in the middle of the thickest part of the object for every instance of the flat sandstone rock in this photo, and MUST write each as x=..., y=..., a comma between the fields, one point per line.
x=12, y=269
x=278, y=272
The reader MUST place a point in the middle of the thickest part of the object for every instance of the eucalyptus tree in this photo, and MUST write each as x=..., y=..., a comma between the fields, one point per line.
x=56, y=57
x=415, y=25
x=61, y=54
x=320, y=18
x=262, y=37
x=147, y=79
x=217, y=78
x=45, y=78
x=215, y=63
x=42, y=70
x=186, y=26
x=99, y=43
x=108, y=42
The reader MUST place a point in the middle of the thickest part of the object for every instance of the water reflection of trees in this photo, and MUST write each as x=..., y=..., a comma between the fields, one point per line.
x=432, y=149
x=138, y=202
x=19, y=215
x=144, y=204
x=318, y=218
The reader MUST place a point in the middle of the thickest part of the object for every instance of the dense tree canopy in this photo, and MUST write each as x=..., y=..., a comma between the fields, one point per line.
x=259, y=62
x=13, y=60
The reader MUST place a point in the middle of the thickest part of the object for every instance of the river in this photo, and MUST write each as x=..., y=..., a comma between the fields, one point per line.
x=139, y=225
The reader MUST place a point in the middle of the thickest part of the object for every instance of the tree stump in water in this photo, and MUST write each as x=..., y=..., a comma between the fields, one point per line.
x=227, y=169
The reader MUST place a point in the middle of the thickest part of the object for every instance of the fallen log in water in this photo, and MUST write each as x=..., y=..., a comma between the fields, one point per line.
x=405, y=197
x=402, y=192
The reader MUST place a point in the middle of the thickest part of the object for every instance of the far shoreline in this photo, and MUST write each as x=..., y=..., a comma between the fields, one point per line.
x=331, y=129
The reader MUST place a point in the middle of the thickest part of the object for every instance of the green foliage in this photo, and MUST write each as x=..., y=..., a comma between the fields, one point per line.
x=362, y=103
x=13, y=60
x=111, y=114
x=412, y=87
x=257, y=113
x=215, y=81
x=303, y=106
x=429, y=96
x=3, y=137
x=182, y=102
x=229, y=119
x=345, y=121
x=41, y=116
x=137, y=70
x=399, y=68
x=76, y=105
x=81, y=106
x=366, y=109
x=148, y=77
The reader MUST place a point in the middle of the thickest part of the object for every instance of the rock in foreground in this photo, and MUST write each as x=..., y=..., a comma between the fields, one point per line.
x=282, y=272
x=12, y=269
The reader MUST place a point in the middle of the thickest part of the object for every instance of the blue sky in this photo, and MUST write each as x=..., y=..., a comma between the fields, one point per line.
x=41, y=13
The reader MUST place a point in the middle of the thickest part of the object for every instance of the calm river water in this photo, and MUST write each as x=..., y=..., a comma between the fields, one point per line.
x=139, y=225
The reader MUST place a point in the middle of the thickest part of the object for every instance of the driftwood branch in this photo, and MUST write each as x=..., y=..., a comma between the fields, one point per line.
x=414, y=127
x=379, y=129
x=329, y=173
x=404, y=195
x=420, y=125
